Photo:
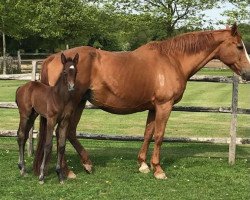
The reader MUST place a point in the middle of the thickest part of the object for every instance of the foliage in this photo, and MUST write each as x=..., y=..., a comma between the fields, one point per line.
x=107, y=24
x=239, y=13
x=174, y=14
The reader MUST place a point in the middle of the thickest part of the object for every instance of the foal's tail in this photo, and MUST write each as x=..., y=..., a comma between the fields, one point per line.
x=43, y=123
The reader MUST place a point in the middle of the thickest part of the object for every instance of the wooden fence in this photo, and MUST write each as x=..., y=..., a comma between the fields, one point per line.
x=234, y=110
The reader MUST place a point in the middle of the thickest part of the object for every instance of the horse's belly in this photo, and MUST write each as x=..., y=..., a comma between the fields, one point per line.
x=113, y=104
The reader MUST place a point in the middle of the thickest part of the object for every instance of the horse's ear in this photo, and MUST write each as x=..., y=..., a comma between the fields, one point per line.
x=234, y=29
x=63, y=59
x=76, y=59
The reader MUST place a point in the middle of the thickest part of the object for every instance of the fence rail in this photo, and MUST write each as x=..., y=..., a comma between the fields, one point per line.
x=234, y=110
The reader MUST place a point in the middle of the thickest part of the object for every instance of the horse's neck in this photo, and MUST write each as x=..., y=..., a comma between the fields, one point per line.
x=192, y=63
x=61, y=90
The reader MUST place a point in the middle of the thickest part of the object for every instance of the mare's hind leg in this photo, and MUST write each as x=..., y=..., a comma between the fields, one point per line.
x=25, y=125
x=149, y=130
x=75, y=118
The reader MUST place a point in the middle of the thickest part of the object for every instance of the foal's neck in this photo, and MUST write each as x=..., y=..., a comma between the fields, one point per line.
x=61, y=89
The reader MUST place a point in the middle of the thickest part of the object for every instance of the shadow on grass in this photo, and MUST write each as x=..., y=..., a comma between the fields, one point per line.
x=101, y=155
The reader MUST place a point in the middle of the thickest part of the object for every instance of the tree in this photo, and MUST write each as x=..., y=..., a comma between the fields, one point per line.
x=175, y=14
x=239, y=13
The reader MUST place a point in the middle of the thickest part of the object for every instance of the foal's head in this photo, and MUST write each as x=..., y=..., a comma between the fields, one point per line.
x=69, y=70
x=233, y=53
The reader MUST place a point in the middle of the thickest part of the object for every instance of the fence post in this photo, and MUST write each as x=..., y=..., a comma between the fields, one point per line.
x=4, y=54
x=30, y=139
x=232, y=144
x=19, y=59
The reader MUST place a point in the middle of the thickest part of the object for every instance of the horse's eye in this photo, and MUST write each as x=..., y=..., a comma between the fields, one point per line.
x=240, y=46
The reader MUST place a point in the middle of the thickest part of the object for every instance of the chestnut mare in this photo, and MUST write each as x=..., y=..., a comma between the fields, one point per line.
x=54, y=104
x=152, y=77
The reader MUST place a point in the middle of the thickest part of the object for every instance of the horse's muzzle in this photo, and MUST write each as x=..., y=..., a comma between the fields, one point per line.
x=246, y=75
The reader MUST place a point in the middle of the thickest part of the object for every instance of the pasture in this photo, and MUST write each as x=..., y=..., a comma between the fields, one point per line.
x=195, y=171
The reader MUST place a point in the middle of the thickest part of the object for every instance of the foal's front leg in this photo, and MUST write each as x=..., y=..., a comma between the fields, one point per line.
x=63, y=127
x=47, y=147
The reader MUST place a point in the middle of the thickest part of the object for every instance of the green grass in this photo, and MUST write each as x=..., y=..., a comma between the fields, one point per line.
x=8, y=89
x=195, y=171
x=215, y=72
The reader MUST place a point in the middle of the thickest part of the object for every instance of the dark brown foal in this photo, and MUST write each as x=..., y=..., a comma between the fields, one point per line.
x=54, y=104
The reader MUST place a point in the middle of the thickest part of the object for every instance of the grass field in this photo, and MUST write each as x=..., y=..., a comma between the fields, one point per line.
x=195, y=171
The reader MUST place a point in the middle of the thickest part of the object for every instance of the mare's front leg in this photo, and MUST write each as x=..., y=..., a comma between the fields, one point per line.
x=74, y=120
x=149, y=130
x=47, y=147
x=61, y=142
x=162, y=114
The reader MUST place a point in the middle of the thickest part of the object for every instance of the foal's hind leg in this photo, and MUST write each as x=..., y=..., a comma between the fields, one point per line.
x=25, y=125
x=21, y=135
x=149, y=130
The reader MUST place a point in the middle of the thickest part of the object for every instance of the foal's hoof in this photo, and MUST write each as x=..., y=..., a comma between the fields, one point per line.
x=88, y=168
x=160, y=175
x=23, y=173
x=41, y=182
x=61, y=182
x=144, y=168
x=71, y=175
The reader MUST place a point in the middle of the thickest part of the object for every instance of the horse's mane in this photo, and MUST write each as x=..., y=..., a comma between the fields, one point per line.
x=193, y=42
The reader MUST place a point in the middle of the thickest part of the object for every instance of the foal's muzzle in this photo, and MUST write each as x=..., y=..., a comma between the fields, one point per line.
x=71, y=87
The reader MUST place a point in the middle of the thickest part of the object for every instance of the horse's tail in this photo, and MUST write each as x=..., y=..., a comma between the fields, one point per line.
x=43, y=122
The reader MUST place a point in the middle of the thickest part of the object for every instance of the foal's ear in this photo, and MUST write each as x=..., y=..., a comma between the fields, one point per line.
x=234, y=29
x=76, y=59
x=63, y=59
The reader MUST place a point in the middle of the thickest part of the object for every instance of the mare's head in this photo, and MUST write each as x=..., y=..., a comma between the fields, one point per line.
x=69, y=70
x=233, y=53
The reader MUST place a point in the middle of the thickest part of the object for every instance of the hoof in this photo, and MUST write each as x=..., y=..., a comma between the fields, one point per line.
x=160, y=175
x=61, y=182
x=88, y=168
x=144, y=168
x=41, y=182
x=23, y=173
x=71, y=175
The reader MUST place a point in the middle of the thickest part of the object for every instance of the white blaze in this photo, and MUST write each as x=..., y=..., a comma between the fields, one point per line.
x=161, y=79
x=247, y=56
x=72, y=67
